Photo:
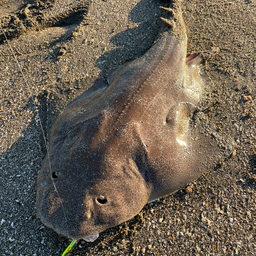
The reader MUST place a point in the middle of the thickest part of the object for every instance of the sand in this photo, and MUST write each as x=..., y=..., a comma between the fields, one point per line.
x=60, y=46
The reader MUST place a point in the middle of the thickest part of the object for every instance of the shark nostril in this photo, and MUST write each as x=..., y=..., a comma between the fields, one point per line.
x=54, y=175
x=101, y=200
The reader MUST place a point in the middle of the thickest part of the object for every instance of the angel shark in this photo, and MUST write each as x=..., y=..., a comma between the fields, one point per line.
x=127, y=142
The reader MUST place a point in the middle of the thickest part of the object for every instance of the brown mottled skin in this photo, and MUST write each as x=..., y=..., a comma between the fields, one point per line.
x=123, y=144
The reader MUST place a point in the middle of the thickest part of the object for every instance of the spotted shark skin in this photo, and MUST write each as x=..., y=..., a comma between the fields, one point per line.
x=130, y=141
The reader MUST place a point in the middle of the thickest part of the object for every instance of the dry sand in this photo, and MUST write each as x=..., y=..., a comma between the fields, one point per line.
x=60, y=46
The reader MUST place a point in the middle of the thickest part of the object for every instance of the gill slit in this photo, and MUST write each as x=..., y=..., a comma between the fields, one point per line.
x=40, y=122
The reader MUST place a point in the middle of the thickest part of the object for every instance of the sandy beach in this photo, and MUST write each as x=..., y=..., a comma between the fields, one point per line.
x=55, y=49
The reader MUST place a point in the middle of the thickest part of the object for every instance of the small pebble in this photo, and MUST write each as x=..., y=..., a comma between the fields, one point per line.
x=247, y=98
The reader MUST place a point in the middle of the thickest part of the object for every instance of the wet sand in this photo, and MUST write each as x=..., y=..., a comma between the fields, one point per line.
x=60, y=46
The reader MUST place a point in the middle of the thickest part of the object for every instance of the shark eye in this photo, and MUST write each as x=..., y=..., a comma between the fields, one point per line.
x=101, y=200
x=54, y=175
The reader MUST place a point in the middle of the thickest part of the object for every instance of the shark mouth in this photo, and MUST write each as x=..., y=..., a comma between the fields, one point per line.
x=91, y=238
